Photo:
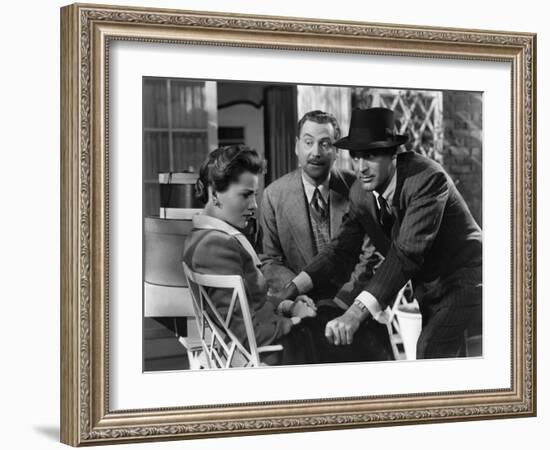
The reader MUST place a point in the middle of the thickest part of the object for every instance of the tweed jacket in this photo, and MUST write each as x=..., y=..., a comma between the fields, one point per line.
x=434, y=235
x=213, y=247
x=288, y=241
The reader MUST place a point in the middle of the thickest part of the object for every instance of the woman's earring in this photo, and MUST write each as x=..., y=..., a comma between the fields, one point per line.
x=216, y=201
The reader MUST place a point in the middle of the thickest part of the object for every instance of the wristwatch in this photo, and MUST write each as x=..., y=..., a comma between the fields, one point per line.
x=361, y=306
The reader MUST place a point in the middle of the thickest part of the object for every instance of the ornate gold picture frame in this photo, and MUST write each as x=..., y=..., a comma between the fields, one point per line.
x=87, y=33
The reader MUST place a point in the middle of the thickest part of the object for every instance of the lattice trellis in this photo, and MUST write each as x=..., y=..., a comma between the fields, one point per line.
x=419, y=113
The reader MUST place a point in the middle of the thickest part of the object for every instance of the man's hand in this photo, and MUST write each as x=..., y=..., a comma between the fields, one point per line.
x=290, y=291
x=303, y=307
x=307, y=300
x=340, y=331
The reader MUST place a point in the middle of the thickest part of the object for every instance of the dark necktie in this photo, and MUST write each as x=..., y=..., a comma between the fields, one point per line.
x=318, y=204
x=385, y=217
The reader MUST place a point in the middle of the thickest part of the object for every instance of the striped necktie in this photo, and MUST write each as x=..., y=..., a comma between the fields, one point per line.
x=318, y=204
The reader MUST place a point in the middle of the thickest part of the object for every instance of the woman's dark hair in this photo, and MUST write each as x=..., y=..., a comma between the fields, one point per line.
x=224, y=166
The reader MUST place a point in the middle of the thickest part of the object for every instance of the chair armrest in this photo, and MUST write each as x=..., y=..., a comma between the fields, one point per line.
x=270, y=348
x=191, y=344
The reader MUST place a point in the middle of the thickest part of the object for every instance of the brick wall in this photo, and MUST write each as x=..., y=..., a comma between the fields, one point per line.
x=462, y=147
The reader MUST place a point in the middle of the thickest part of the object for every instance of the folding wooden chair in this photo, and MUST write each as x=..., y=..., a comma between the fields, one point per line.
x=219, y=347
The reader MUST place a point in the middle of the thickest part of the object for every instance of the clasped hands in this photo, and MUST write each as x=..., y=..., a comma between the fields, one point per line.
x=298, y=309
x=340, y=330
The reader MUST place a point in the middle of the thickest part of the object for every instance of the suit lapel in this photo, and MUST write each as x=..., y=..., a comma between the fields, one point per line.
x=338, y=206
x=338, y=197
x=397, y=221
x=296, y=214
x=401, y=176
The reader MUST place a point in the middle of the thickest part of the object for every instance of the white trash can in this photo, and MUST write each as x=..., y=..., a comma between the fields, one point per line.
x=410, y=325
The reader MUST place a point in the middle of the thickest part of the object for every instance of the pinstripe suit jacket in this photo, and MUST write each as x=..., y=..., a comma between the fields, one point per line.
x=288, y=242
x=433, y=238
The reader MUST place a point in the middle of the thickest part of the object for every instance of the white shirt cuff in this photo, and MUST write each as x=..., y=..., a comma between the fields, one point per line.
x=303, y=282
x=374, y=308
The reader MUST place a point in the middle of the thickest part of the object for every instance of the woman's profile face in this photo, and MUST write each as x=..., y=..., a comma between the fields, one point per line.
x=238, y=202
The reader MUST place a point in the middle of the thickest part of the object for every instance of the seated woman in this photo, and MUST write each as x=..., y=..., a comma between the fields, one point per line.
x=228, y=184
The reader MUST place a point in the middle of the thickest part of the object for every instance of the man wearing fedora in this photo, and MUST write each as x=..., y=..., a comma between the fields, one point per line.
x=416, y=218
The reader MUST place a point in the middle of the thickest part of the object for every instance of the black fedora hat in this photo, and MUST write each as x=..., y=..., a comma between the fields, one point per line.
x=371, y=129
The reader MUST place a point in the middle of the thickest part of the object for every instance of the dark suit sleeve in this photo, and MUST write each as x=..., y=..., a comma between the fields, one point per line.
x=274, y=268
x=419, y=228
x=341, y=253
x=369, y=261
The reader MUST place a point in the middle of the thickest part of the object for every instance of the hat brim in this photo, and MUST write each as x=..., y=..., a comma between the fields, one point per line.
x=358, y=146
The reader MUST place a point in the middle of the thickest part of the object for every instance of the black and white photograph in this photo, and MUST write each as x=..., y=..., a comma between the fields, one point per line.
x=317, y=219
x=291, y=224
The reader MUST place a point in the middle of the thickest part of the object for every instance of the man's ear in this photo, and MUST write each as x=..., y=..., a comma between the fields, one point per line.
x=296, y=146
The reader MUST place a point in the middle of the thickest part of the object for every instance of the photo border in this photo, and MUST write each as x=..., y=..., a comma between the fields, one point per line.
x=86, y=32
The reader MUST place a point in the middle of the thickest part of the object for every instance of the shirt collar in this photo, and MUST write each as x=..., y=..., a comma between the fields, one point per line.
x=205, y=222
x=309, y=187
x=389, y=191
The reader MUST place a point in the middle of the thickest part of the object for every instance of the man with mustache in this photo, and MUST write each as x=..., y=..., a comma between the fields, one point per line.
x=417, y=219
x=301, y=213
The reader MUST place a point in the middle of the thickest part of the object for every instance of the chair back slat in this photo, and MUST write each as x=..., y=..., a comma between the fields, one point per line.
x=231, y=308
x=221, y=347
